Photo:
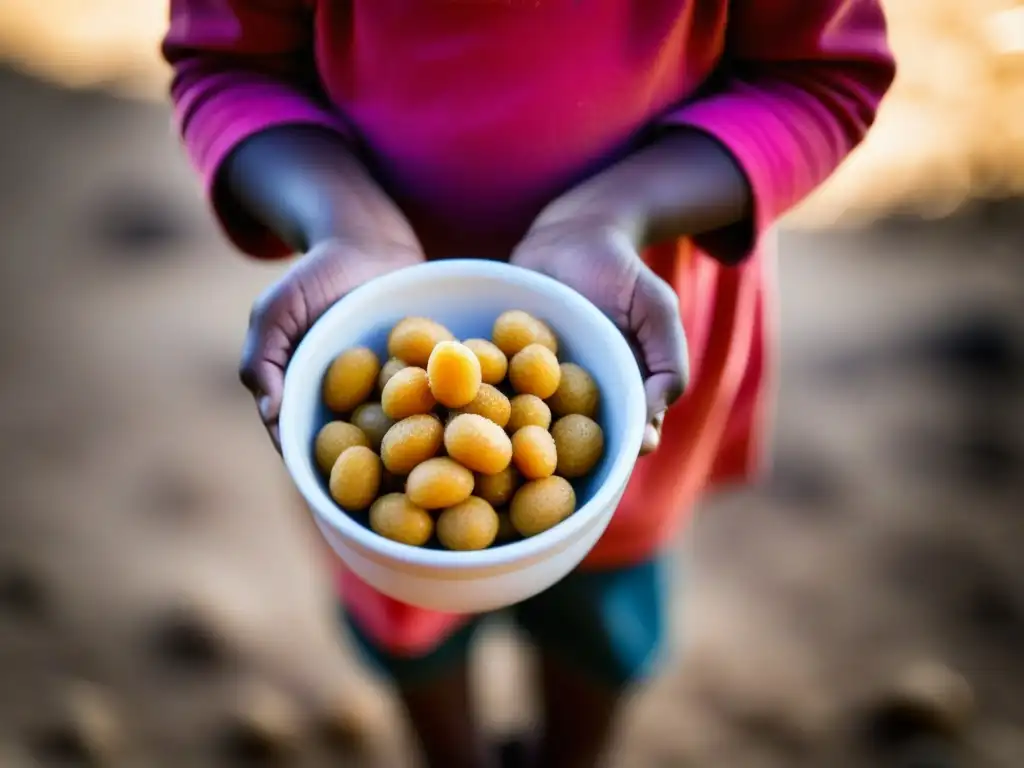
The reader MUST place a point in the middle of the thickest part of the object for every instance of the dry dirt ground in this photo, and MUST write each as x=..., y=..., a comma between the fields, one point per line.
x=161, y=596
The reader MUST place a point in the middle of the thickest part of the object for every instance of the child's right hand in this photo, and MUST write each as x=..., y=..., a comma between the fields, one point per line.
x=282, y=315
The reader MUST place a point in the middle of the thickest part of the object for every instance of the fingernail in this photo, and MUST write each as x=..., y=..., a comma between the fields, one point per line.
x=652, y=437
x=264, y=406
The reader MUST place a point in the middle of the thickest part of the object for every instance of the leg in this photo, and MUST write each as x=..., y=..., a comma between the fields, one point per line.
x=443, y=717
x=579, y=716
x=434, y=690
x=600, y=634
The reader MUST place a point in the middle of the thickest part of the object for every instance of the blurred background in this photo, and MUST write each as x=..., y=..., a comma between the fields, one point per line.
x=162, y=601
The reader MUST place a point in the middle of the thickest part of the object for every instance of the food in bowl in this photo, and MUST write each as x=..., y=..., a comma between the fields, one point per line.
x=443, y=456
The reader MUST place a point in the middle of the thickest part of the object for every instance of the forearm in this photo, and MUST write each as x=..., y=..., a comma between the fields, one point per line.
x=683, y=184
x=305, y=185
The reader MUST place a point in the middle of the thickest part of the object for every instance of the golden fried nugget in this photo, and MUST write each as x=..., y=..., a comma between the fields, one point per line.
x=438, y=483
x=493, y=363
x=410, y=442
x=355, y=478
x=468, y=526
x=535, y=371
x=546, y=337
x=527, y=410
x=407, y=394
x=534, y=453
x=394, y=517
x=332, y=440
x=542, y=504
x=579, y=441
x=350, y=379
x=370, y=418
x=497, y=489
x=389, y=369
x=515, y=330
x=414, y=338
x=577, y=393
x=478, y=443
x=491, y=403
x=454, y=374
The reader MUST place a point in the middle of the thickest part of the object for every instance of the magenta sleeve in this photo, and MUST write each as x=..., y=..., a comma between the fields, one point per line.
x=241, y=68
x=801, y=85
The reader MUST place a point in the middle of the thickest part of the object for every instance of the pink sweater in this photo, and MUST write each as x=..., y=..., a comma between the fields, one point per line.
x=476, y=113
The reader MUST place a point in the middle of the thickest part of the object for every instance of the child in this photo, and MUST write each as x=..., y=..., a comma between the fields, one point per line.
x=636, y=151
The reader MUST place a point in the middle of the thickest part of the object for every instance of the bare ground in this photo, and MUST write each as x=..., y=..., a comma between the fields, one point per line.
x=161, y=596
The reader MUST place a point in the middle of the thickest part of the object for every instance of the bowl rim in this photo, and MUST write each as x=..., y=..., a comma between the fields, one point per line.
x=299, y=461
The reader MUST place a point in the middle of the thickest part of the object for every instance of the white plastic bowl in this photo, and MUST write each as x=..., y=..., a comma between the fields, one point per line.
x=466, y=295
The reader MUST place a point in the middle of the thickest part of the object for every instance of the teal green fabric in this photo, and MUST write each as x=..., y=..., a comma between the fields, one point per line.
x=610, y=625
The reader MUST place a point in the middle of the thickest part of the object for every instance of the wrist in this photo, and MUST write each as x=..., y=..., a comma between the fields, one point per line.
x=369, y=247
x=595, y=206
x=355, y=211
x=378, y=236
x=681, y=185
x=307, y=186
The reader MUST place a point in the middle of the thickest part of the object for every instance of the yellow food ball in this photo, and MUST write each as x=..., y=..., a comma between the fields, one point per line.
x=389, y=369
x=535, y=371
x=577, y=393
x=414, y=338
x=410, y=442
x=355, y=478
x=438, y=483
x=395, y=517
x=534, y=453
x=528, y=410
x=407, y=394
x=546, y=337
x=478, y=443
x=493, y=363
x=507, y=532
x=454, y=374
x=579, y=441
x=468, y=526
x=491, y=403
x=542, y=504
x=332, y=440
x=370, y=418
x=515, y=330
x=497, y=489
x=350, y=379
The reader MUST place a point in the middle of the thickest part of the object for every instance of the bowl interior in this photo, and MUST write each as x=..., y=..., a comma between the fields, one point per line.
x=466, y=296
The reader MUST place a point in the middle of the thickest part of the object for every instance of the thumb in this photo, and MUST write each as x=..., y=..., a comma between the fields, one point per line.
x=656, y=323
x=264, y=357
x=662, y=390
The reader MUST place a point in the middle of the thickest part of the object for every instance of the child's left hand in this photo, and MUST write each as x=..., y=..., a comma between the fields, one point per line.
x=599, y=259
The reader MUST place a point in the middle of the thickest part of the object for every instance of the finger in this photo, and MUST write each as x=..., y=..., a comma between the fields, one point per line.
x=264, y=356
x=651, y=440
x=652, y=435
x=659, y=332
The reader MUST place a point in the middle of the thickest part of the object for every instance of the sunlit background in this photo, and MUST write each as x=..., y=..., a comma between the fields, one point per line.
x=162, y=600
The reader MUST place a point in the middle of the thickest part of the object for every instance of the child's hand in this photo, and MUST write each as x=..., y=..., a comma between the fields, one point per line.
x=283, y=314
x=599, y=260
